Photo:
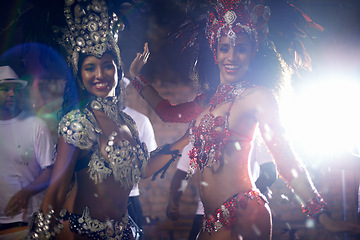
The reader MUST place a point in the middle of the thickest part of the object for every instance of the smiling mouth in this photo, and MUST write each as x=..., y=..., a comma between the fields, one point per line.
x=101, y=85
x=232, y=68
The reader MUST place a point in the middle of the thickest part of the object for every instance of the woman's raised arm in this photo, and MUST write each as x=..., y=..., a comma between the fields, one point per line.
x=180, y=113
x=290, y=168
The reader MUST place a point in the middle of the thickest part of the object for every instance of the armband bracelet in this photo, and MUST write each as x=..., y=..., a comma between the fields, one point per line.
x=139, y=83
x=39, y=227
x=315, y=207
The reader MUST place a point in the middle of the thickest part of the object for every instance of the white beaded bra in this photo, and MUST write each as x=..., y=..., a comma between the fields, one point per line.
x=125, y=162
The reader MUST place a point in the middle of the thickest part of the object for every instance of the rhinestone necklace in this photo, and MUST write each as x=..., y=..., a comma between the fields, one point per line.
x=227, y=92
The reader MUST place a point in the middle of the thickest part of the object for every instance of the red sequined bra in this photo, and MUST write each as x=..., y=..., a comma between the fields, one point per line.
x=211, y=135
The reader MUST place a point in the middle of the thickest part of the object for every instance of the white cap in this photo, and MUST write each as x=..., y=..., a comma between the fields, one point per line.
x=7, y=75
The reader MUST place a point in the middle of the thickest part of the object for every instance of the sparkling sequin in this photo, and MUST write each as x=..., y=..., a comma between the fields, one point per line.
x=315, y=206
x=124, y=161
x=211, y=135
x=93, y=228
x=226, y=92
x=231, y=18
x=226, y=215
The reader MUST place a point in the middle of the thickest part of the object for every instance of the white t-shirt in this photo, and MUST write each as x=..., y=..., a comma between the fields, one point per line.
x=183, y=165
x=26, y=149
x=146, y=135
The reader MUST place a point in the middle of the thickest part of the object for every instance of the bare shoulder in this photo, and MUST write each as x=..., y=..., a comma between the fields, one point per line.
x=257, y=90
x=265, y=106
x=259, y=95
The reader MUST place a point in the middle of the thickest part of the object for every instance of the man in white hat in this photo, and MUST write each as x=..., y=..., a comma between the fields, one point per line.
x=26, y=149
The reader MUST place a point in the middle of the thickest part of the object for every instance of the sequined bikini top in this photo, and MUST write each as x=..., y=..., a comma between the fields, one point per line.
x=211, y=135
x=125, y=162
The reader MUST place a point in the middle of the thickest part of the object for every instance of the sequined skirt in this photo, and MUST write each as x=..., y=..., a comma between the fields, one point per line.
x=85, y=225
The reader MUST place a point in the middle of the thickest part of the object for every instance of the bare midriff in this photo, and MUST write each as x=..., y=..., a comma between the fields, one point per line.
x=227, y=177
x=106, y=200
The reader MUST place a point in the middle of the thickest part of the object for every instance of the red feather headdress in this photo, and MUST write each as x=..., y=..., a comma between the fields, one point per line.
x=231, y=17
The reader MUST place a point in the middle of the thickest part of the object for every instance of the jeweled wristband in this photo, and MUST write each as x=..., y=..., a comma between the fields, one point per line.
x=139, y=82
x=315, y=207
x=39, y=227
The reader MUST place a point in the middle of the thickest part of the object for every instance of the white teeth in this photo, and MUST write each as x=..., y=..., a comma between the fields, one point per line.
x=100, y=84
x=231, y=67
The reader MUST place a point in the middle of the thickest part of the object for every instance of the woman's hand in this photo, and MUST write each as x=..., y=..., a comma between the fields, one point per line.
x=173, y=211
x=17, y=203
x=139, y=61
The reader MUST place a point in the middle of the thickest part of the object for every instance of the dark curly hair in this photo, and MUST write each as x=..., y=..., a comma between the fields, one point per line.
x=290, y=30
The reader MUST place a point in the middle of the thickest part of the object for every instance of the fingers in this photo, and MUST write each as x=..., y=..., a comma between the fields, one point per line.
x=12, y=208
x=145, y=55
x=146, y=47
x=146, y=51
x=139, y=61
x=16, y=204
x=172, y=213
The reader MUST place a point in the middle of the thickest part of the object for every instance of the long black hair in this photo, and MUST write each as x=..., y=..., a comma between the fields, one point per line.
x=266, y=69
x=282, y=52
x=75, y=94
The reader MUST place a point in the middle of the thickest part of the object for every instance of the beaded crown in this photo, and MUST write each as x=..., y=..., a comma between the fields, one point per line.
x=231, y=17
x=90, y=31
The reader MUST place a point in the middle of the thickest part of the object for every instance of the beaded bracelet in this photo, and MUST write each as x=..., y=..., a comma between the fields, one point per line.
x=315, y=207
x=39, y=227
x=139, y=82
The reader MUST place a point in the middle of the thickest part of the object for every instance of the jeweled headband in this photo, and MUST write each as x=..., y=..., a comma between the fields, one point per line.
x=231, y=17
x=90, y=31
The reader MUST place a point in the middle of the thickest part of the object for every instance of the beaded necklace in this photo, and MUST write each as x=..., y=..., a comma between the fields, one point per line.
x=125, y=161
x=227, y=92
x=110, y=107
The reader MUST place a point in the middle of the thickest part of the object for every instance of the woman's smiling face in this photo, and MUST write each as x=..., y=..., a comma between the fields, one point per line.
x=99, y=75
x=234, y=61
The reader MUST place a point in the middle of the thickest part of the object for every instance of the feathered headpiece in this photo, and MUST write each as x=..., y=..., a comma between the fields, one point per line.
x=288, y=25
x=231, y=17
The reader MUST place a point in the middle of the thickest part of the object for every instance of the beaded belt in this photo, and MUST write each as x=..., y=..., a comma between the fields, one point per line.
x=226, y=215
x=85, y=225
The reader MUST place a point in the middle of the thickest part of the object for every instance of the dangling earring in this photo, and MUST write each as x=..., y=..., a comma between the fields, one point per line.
x=80, y=83
x=216, y=60
x=82, y=87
